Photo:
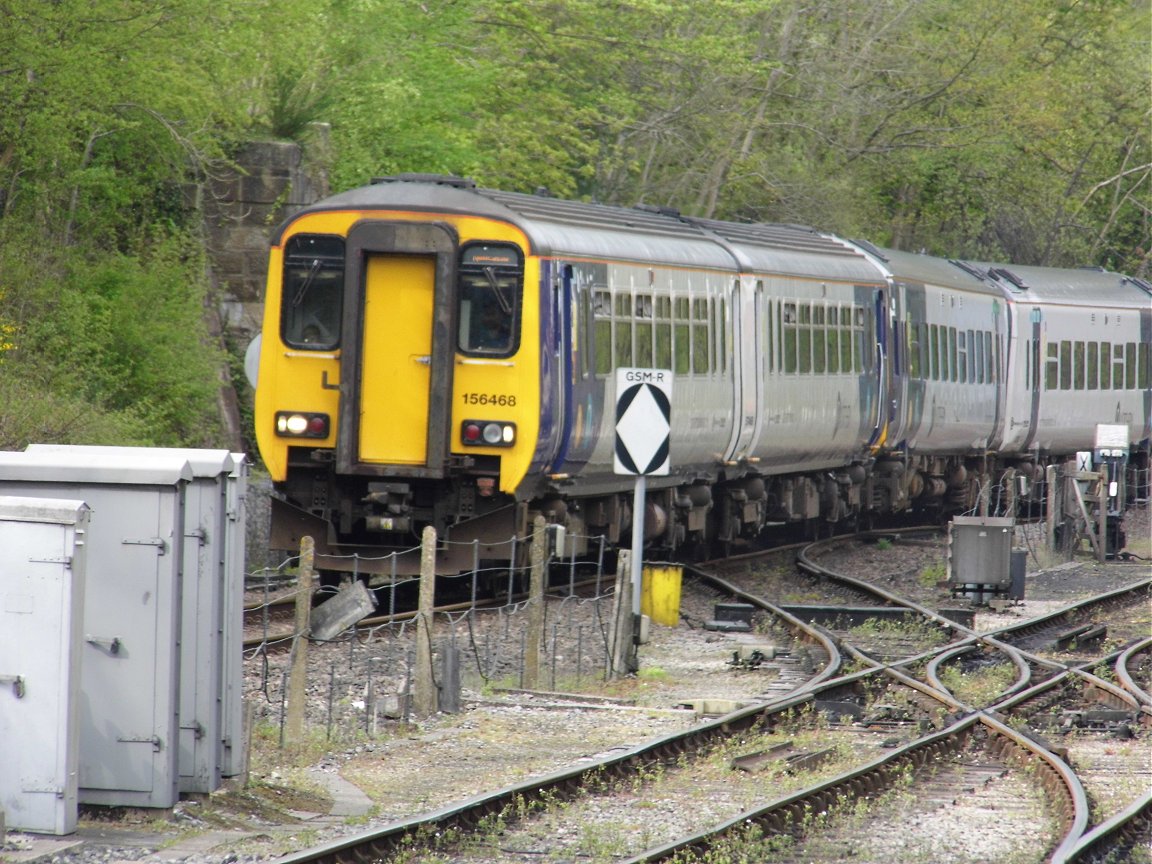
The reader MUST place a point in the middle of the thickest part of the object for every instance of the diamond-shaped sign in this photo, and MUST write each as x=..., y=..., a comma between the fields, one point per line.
x=643, y=421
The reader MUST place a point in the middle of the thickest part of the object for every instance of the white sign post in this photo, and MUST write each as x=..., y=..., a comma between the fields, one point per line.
x=643, y=438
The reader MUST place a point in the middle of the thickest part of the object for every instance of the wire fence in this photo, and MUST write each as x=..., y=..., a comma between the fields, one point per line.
x=360, y=682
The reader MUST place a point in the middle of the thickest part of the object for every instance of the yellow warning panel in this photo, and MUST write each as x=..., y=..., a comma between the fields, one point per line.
x=660, y=593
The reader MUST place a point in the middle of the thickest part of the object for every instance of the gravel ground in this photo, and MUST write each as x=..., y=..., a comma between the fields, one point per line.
x=375, y=772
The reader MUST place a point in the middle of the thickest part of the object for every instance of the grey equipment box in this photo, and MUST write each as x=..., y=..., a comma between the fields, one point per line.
x=980, y=555
x=130, y=663
x=211, y=643
x=42, y=559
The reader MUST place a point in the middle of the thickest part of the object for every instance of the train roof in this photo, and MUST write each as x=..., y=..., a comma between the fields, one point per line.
x=1082, y=286
x=557, y=227
x=918, y=269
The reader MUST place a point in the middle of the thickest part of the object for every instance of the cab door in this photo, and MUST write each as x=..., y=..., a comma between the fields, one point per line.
x=396, y=363
x=396, y=356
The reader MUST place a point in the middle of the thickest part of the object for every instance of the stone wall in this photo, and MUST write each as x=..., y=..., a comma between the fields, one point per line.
x=242, y=208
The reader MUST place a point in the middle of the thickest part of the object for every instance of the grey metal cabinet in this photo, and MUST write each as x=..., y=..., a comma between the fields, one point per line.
x=128, y=705
x=42, y=560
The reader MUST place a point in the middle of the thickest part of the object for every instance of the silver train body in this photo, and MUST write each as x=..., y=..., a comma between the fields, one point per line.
x=816, y=380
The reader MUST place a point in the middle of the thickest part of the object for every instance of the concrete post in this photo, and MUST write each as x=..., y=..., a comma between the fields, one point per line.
x=298, y=676
x=535, y=634
x=424, y=697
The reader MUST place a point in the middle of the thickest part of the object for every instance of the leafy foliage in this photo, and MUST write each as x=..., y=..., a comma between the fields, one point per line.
x=1016, y=132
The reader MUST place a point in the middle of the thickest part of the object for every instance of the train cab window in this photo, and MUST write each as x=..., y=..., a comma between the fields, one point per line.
x=313, y=291
x=490, y=279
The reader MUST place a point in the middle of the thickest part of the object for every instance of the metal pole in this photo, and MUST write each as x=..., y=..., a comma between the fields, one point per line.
x=637, y=548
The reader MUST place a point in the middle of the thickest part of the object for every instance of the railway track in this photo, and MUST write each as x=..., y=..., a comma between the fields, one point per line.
x=937, y=748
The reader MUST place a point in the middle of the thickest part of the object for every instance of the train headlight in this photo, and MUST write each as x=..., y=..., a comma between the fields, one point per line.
x=301, y=424
x=487, y=433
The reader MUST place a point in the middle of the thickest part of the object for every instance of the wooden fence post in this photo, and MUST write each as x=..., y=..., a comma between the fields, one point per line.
x=298, y=676
x=424, y=698
x=535, y=606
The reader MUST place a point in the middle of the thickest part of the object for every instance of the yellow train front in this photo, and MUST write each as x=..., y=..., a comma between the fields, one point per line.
x=399, y=380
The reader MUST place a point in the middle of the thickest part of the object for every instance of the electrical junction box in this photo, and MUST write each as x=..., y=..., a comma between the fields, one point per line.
x=211, y=631
x=980, y=555
x=130, y=655
x=42, y=562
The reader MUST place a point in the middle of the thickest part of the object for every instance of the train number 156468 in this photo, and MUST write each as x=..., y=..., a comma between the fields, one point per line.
x=507, y=400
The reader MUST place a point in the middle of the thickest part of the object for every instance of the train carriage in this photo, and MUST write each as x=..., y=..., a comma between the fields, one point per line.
x=437, y=354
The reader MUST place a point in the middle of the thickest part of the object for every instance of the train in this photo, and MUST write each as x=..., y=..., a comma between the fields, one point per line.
x=434, y=353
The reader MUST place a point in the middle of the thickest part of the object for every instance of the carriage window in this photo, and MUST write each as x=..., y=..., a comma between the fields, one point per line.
x=804, y=344
x=489, y=300
x=1093, y=358
x=1077, y=365
x=602, y=334
x=663, y=358
x=789, y=341
x=962, y=355
x=1130, y=366
x=623, y=325
x=847, y=330
x=1066, y=365
x=681, y=344
x=700, y=346
x=1118, y=367
x=1052, y=374
x=819, y=342
x=643, y=305
x=1142, y=370
x=313, y=291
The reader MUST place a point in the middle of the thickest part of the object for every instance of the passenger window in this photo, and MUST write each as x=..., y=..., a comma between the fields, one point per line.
x=1052, y=373
x=488, y=313
x=1066, y=365
x=1105, y=365
x=313, y=291
x=663, y=355
x=1093, y=365
x=700, y=347
x=804, y=341
x=602, y=315
x=682, y=343
x=789, y=325
x=1130, y=366
x=1077, y=365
